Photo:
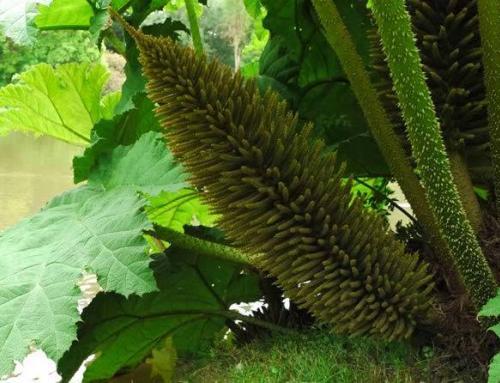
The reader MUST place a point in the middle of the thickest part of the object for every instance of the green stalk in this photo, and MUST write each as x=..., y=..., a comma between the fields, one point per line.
x=194, y=27
x=199, y=246
x=429, y=150
x=463, y=181
x=210, y=249
x=489, y=25
x=380, y=126
x=228, y=314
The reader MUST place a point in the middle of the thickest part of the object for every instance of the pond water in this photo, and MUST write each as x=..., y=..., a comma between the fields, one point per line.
x=32, y=171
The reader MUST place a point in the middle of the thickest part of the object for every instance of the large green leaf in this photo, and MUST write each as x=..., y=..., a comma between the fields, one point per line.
x=22, y=18
x=64, y=14
x=174, y=210
x=63, y=102
x=135, y=83
x=121, y=169
x=253, y=7
x=91, y=15
x=492, y=309
x=96, y=228
x=118, y=4
x=123, y=129
x=16, y=19
x=108, y=105
x=300, y=64
x=494, y=370
x=122, y=332
x=163, y=360
x=345, y=133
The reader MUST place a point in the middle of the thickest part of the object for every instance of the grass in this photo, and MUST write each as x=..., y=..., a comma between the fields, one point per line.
x=312, y=357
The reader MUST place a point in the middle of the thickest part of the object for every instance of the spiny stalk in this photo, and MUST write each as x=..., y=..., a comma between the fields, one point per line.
x=428, y=148
x=382, y=128
x=193, y=26
x=448, y=42
x=489, y=22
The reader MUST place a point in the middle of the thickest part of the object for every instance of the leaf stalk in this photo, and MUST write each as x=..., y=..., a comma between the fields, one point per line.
x=194, y=27
x=199, y=246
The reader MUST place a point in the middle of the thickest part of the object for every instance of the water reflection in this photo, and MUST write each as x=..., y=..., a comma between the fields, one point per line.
x=32, y=171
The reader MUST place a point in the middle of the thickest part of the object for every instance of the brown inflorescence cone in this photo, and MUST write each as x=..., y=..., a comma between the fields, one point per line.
x=281, y=197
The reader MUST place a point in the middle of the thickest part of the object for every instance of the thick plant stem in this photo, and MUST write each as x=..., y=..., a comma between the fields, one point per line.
x=230, y=314
x=428, y=148
x=199, y=246
x=489, y=25
x=465, y=187
x=380, y=126
x=194, y=27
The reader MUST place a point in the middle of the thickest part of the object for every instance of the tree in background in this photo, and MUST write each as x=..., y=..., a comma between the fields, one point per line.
x=232, y=33
x=259, y=37
x=236, y=26
x=54, y=47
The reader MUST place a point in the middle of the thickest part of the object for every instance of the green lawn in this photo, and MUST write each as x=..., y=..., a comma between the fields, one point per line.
x=311, y=357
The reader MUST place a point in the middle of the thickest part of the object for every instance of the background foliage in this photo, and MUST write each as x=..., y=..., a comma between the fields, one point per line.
x=300, y=64
x=55, y=47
